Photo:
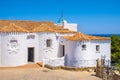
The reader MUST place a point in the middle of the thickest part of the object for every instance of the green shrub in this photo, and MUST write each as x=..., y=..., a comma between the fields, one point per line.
x=118, y=66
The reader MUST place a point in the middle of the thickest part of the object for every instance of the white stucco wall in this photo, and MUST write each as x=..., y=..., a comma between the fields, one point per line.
x=0, y=50
x=76, y=57
x=33, y=43
x=70, y=26
x=19, y=55
x=13, y=56
x=48, y=52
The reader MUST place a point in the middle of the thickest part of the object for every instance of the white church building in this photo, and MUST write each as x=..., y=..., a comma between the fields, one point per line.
x=24, y=42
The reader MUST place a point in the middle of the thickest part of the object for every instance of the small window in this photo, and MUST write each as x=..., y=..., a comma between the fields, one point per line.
x=48, y=43
x=31, y=36
x=11, y=41
x=97, y=48
x=83, y=47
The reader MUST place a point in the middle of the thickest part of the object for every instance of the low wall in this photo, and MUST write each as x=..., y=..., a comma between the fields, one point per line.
x=81, y=63
x=61, y=62
x=58, y=63
x=70, y=68
x=54, y=61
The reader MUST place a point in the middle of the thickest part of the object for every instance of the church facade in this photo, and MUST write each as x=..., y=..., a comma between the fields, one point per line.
x=23, y=42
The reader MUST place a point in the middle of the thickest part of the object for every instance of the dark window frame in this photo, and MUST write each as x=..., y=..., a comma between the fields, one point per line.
x=97, y=48
x=48, y=43
x=84, y=46
x=30, y=36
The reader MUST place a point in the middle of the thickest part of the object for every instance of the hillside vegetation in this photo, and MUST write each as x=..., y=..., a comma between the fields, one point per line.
x=115, y=51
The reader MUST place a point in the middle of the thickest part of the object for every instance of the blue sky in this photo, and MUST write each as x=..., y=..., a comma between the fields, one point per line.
x=92, y=16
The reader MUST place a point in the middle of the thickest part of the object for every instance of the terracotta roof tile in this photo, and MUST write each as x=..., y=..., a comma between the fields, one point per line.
x=79, y=36
x=12, y=28
x=43, y=28
x=32, y=27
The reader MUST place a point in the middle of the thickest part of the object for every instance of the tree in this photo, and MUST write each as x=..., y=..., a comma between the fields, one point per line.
x=115, y=49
